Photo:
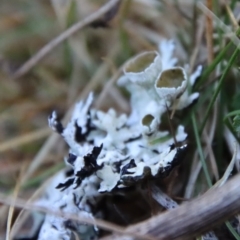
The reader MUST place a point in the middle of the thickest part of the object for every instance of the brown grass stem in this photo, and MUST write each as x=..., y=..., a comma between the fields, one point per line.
x=62, y=37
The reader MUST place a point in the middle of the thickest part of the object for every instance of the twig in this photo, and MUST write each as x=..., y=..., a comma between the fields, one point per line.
x=230, y=140
x=162, y=198
x=139, y=30
x=229, y=169
x=220, y=23
x=14, y=196
x=119, y=99
x=194, y=172
x=107, y=87
x=209, y=32
x=62, y=37
x=98, y=222
x=195, y=52
x=212, y=158
x=231, y=16
x=193, y=218
x=29, y=137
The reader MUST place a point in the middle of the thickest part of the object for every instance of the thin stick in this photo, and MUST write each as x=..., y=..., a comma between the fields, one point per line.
x=209, y=32
x=220, y=23
x=14, y=196
x=193, y=174
x=106, y=88
x=193, y=218
x=229, y=169
x=29, y=137
x=62, y=37
x=98, y=222
x=230, y=140
x=211, y=154
x=23, y=215
x=195, y=52
x=231, y=16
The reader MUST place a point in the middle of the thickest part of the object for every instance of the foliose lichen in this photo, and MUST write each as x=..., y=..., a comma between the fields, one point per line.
x=108, y=151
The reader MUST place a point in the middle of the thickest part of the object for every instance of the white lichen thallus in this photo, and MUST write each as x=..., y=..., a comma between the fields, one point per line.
x=110, y=152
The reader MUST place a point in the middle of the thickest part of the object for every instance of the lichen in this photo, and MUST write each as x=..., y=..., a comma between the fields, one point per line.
x=108, y=151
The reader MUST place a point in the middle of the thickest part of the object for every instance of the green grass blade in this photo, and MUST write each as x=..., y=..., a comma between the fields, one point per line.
x=218, y=89
x=232, y=114
x=232, y=230
x=211, y=67
x=200, y=151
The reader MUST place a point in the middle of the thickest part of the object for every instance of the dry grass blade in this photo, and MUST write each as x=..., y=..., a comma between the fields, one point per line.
x=229, y=169
x=210, y=152
x=121, y=102
x=199, y=34
x=22, y=216
x=107, y=87
x=224, y=27
x=11, y=209
x=100, y=223
x=209, y=32
x=27, y=138
x=38, y=159
x=230, y=139
x=98, y=76
x=194, y=172
x=162, y=198
x=62, y=37
x=137, y=29
x=193, y=218
x=231, y=16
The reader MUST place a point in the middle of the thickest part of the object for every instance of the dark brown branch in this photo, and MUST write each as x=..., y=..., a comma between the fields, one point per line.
x=193, y=218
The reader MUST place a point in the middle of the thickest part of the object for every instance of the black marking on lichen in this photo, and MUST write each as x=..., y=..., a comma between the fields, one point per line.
x=181, y=151
x=63, y=206
x=119, y=128
x=130, y=180
x=65, y=185
x=92, y=206
x=150, y=134
x=163, y=172
x=77, y=201
x=69, y=172
x=117, y=166
x=70, y=225
x=133, y=139
x=57, y=124
x=180, y=154
x=71, y=158
x=53, y=226
x=125, y=168
x=172, y=146
x=91, y=159
x=79, y=135
x=90, y=167
x=59, y=127
x=155, y=151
